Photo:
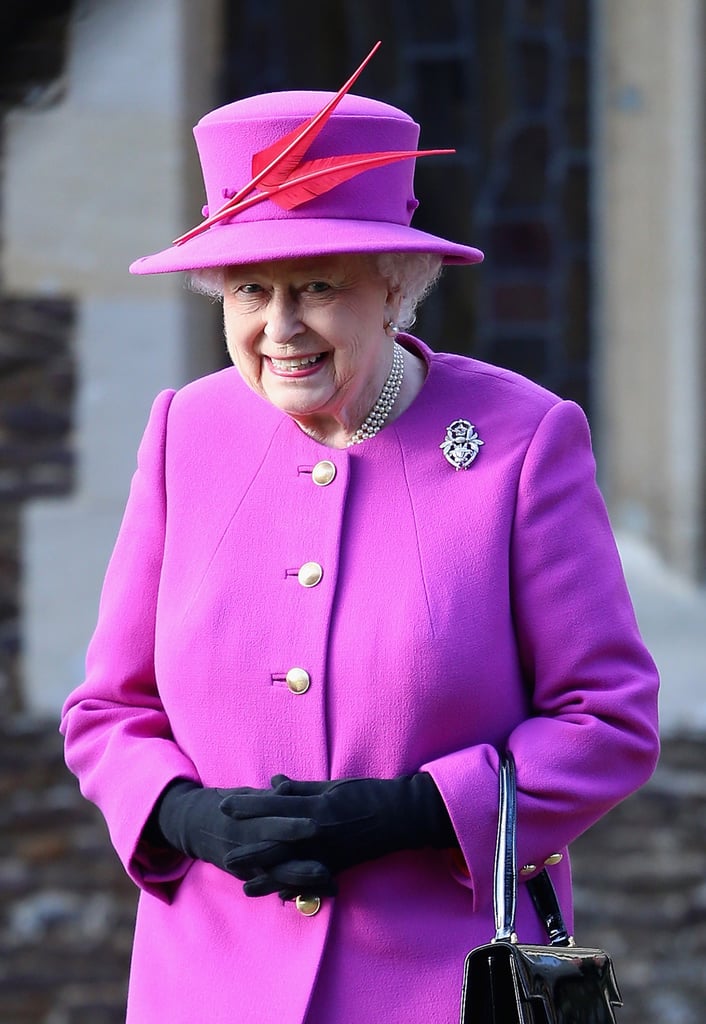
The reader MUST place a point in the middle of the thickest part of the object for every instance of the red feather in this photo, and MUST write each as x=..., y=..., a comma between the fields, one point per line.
x=321, y=176
x=279, y=160
x=315, y=177
x=286, y=180
x=274, y=165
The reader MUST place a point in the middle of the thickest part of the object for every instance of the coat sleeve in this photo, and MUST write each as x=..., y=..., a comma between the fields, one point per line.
x=590, y=737
x=118, y=740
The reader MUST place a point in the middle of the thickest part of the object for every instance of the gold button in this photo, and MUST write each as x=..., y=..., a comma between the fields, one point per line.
x=556, y=858
x=528, y=869
x=323, y=473
x=310, y=574
x=298, y=680
x=308, y=905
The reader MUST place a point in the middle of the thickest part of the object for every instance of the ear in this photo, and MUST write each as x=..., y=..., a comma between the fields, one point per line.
x=393, y=302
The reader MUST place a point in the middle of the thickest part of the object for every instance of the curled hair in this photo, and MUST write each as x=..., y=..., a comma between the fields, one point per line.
x=411, y=274
x=207, y=281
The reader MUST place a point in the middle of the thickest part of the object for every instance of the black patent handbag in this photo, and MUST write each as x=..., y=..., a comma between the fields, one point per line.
x=508, y=982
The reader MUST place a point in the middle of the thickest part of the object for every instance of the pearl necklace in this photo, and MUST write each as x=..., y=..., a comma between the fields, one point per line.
x=378, y=415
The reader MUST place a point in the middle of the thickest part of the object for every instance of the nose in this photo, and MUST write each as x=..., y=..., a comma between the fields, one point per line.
x=282, y=319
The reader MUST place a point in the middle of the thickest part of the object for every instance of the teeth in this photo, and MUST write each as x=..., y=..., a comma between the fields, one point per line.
x=294, y=364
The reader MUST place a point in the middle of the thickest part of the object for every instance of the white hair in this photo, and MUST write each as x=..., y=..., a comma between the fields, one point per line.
x=207, y=281
x=410, y=274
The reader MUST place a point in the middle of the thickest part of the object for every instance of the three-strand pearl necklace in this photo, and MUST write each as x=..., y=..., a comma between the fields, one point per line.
x=378, y=415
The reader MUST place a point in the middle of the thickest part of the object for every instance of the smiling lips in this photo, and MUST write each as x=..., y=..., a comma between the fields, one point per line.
x=296, y=367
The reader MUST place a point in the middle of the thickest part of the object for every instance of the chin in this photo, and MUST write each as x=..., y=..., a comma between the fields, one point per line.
x=296, y=409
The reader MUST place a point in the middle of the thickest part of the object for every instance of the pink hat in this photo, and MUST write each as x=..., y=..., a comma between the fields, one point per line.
x=294, y=174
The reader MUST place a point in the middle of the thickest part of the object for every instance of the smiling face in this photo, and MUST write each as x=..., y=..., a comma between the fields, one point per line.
x=309, y=336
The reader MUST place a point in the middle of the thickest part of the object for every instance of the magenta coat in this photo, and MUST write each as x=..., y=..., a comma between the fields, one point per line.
x=457, y=612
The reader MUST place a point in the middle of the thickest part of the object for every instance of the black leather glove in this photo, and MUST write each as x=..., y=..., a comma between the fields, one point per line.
x=344, y=822
x=189, y=818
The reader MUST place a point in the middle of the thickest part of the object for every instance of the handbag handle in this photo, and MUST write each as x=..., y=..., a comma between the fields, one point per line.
x=540, y=888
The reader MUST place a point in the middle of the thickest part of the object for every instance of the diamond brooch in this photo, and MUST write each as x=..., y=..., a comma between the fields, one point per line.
x=461, y=444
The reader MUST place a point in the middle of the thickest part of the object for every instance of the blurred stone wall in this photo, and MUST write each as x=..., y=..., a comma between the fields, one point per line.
x=640, y=887
x=67, y=909
x=36, y=335
x=36, y=453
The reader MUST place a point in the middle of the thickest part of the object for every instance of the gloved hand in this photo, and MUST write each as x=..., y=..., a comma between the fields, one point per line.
x=189, y=818
x=291, y=879
x=343, y=822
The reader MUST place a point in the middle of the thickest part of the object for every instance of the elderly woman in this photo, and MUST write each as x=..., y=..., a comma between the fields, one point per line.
x=351, y=572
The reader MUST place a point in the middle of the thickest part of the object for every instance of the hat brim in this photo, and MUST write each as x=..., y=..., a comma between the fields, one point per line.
x=256, y=241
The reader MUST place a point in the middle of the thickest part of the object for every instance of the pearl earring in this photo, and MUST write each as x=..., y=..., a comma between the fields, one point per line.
x=391, y=328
